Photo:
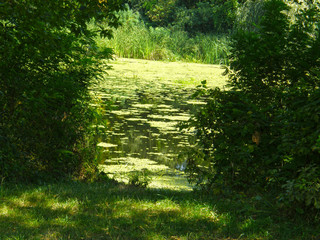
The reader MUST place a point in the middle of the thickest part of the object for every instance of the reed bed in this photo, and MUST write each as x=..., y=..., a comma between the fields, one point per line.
x=141, y=42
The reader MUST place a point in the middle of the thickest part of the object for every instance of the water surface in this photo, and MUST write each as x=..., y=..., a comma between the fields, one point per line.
x=146, y=101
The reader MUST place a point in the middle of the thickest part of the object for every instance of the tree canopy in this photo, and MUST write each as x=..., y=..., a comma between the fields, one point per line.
x=205, y=16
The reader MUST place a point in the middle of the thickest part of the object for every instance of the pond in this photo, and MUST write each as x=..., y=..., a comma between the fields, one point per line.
x=146, y=101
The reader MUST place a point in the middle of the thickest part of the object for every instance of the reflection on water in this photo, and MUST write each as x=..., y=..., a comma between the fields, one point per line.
x=143, y=123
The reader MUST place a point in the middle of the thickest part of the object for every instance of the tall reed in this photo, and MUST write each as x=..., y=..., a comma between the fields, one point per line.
x=136, y=40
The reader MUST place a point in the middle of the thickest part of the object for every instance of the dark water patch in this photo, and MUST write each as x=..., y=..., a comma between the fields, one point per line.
x=144, y=120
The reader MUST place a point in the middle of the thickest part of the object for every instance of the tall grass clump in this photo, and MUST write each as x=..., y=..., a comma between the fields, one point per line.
x=134, y=39
x=202, y=48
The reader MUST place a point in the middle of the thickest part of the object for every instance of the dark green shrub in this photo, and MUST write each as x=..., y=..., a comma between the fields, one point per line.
x=207, y=17
x=140, y=178
x=305, y=188
x=262, y=133
x=45, y=73
x=233, y=141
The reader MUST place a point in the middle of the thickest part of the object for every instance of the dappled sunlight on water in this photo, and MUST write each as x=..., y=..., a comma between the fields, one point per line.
x=145, y=102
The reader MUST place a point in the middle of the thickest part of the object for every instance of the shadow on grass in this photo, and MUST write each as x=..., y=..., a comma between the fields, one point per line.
x=114, y=211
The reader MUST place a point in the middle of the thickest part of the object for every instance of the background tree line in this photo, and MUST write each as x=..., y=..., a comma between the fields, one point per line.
x=193, y=31
x=204, y=16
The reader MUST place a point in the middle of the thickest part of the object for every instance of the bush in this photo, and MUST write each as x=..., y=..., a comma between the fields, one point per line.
x=45, y=73
x=140, y=178
x=262, y=133
x=233, y=142
x=305, y=188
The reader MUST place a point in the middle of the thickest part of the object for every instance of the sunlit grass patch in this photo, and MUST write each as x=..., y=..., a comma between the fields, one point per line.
x=75, y=210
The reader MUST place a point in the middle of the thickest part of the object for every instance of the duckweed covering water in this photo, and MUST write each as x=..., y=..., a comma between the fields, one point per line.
x=148, y=100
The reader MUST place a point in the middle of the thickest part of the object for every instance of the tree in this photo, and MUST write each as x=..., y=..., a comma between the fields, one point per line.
x=205, y=16
x=263, y=133
x=45, y=71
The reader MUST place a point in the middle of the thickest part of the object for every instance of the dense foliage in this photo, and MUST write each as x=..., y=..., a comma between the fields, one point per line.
x=263, y=132
x=45, y=72
x=205, y=16
x=180, y=30
x=134, y=39
x=193, y=31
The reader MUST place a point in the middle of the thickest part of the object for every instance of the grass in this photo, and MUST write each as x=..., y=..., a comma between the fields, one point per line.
x=135, y=40
x=107, y=210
